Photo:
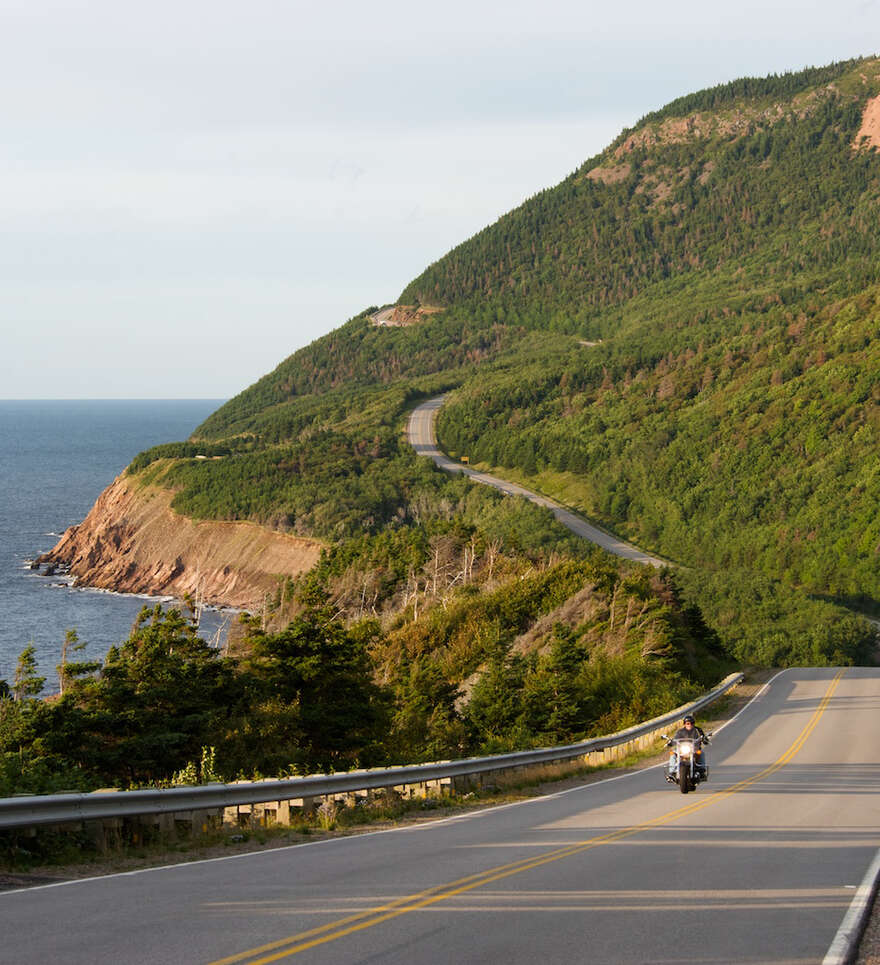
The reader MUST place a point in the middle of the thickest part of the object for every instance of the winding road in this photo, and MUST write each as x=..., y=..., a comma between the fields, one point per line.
x=422, y=437
x=758, y=866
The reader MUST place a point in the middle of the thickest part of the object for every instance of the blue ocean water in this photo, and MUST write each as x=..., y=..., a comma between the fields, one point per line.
x=55, y=459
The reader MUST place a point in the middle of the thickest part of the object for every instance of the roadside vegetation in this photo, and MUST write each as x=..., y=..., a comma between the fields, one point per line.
x=506, y=651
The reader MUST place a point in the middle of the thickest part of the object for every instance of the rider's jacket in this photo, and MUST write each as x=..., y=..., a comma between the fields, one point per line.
x=684, y=734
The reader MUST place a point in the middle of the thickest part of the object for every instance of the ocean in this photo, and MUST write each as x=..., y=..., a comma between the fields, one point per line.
x=55, y=459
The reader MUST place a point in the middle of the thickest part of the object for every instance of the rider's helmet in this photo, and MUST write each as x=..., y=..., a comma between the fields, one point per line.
x=689, y=719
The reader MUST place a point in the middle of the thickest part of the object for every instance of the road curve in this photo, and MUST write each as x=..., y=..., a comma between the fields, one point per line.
x=423, y=438
x=758, y=866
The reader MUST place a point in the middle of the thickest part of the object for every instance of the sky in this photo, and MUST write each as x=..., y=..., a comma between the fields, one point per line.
x=191, y=190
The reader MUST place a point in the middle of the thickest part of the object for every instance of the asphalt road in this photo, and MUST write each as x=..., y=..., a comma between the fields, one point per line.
x=757, y=866
x=421, y=436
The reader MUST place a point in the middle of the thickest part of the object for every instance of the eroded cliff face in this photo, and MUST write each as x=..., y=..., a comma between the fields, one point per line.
x=133, y=542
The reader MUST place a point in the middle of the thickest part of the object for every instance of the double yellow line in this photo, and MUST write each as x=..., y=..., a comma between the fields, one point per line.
x=300, y=942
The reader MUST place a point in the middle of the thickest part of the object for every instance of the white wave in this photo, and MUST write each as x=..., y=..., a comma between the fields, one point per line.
x=68, y=582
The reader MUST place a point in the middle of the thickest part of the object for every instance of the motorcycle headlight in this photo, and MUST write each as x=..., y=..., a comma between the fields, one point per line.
x=685, y=748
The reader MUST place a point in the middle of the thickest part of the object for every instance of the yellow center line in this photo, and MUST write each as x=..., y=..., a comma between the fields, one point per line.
x=302, y=941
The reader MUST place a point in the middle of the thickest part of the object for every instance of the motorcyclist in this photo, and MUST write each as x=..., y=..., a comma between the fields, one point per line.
x=690, y=731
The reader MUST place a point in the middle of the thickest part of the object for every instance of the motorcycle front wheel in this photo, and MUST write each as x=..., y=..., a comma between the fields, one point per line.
x=684, y=778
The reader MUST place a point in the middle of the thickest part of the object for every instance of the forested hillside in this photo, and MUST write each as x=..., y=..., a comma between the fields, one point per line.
x=729, y=417
x=759, y=196
x=681, y=340
x=721, y=260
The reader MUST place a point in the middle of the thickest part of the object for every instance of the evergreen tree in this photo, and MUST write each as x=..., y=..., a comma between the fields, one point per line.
x=310, y=699
x=28, y=684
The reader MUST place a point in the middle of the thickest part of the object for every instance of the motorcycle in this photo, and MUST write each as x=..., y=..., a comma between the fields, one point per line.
x=686, y=766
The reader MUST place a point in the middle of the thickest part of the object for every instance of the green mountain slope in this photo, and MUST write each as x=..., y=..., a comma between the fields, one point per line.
x=760, y=193
x=721, y=258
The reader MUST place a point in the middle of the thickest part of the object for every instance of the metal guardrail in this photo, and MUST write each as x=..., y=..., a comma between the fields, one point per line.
x=35, y=810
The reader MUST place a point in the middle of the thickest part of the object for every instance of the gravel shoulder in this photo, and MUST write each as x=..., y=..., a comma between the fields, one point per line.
x=869, y=947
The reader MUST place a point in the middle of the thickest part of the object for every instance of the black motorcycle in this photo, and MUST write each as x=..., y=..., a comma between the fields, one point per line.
x=686, y=766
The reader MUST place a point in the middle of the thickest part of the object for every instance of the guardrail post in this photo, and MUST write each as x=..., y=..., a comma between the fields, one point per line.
x=145, y=826
x=463, y=783
x=205, y=820
x=444, y=787
x=238, y=815
x=105, y=833
x=486, y=780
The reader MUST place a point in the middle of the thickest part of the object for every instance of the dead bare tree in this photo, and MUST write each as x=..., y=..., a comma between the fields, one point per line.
x=493, y=550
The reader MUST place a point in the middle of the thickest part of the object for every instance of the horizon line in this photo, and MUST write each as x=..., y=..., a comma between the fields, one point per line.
x=130, y=398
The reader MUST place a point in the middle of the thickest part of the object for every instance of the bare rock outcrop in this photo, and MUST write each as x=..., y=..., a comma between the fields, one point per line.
x=402, y=316
x=869, y=132
x=132, y=541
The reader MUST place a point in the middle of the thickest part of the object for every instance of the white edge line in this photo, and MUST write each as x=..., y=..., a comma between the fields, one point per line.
x=760, y=693
x=348, y=837
x=846, y=942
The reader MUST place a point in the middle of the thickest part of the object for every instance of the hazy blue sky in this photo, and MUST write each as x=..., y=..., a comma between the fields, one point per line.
x=192, y=190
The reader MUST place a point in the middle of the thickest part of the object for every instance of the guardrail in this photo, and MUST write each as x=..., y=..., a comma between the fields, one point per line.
x=196, y=804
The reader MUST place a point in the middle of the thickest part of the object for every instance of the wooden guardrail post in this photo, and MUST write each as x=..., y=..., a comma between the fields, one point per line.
x=308, y=805
x=463, y=783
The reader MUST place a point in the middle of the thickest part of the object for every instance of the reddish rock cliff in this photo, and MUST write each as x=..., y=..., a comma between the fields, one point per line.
x=133, y=542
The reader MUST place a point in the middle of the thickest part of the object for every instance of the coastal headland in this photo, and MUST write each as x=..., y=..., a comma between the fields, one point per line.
x=132, y=541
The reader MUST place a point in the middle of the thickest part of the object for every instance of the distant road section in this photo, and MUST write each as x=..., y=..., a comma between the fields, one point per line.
x=423, y=438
